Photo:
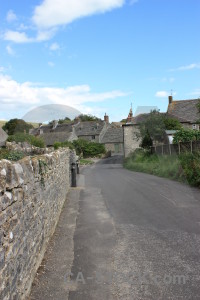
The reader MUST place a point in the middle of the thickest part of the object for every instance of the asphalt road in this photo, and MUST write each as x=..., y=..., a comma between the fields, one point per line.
x=137, y=236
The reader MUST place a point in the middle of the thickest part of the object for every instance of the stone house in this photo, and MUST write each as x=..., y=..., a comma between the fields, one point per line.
x=55, y=133
x=3, y=137
x=186, y=111
x=113, y=139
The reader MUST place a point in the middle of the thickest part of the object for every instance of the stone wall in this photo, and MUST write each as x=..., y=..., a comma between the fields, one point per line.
x=131, y=140
x=116, y=148
x=32, y=193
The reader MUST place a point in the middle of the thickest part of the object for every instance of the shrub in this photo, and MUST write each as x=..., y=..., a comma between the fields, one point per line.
x=186, y=135
x=16, y=125
x=88, y=149
x=22, y=137
x=66, y=144
x=11, y=155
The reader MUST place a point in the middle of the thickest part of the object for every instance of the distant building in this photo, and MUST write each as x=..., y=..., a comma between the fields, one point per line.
x=185, y=111
x=113, y=139
x=3, y=137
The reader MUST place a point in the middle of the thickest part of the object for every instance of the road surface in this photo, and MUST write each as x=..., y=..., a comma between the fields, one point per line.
x=136, y=236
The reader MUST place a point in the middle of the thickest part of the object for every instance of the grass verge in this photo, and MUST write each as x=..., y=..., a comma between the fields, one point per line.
x=184, y=168
x=86, y=162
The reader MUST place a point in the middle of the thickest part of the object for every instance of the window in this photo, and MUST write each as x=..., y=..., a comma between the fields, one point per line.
x=93, y=137
x=194, y=126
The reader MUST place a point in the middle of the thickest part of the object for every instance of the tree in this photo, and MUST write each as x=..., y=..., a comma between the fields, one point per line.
x=154, y=125
x=16, y=126
x=84, y=118
x=172, y=124
x=147, y=142
x=186, y=135
x=64, y=121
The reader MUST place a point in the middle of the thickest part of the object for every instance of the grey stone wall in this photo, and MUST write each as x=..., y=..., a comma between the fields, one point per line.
x=111, y=147
x=32, y=193
x=131, y=140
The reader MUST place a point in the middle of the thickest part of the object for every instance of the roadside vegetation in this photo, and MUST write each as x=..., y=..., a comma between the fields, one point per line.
x=184, y=168
x=23, y=137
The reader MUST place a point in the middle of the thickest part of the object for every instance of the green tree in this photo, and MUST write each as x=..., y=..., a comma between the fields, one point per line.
x=16, y=126
x=64, y=121
x=172, y=124
x=186, y=135
x=84, y=118
x=147, y=142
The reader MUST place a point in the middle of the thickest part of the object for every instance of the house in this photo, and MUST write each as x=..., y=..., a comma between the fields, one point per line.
x=3, y=137
x=113, y=139
x=55, y=133
x=131, y=133
x=186, y=111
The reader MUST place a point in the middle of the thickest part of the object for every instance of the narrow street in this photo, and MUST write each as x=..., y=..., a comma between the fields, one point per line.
x=136, y=236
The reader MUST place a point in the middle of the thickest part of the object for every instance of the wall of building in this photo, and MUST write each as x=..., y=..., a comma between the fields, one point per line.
x=131, y=140
x=113, y=147
x=32, y=194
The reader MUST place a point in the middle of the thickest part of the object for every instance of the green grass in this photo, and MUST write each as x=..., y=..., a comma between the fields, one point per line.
x=184, y=168
x=86, y=161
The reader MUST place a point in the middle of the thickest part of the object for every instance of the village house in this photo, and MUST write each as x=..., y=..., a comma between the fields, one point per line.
x=113, y=139
x=185, y=111
x=3, y=137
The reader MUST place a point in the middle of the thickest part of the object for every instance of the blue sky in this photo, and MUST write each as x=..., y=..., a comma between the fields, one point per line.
x=98, y=55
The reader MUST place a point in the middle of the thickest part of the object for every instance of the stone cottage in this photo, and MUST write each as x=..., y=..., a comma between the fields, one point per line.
x=56, y=133
x=3, y=137
x=186, y=111
x=113, y=139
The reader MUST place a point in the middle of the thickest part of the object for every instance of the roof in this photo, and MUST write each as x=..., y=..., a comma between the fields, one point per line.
x=89, y=128
x=168, y=132
x=185, y=111
x=113, y=135
x=52, y=137
x=3, y=137
x=67, y=127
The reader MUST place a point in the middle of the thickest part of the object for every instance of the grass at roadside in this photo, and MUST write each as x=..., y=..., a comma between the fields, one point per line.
x=86, y=161
x=184, y=168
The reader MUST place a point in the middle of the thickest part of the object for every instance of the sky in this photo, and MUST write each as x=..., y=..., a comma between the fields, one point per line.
x=98, y=55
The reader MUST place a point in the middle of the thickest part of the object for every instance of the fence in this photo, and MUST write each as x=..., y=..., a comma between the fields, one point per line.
x=170, y=149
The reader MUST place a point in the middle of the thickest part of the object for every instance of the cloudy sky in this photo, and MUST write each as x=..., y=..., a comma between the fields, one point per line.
x=98, y=55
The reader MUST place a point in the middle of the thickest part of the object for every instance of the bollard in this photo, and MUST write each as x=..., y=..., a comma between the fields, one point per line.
x=73, y=172
x=77, y=166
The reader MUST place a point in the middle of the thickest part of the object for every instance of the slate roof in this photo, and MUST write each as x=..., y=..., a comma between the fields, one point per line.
x=3, y=137
x=113, y=135
x=49, y=128
x=89, y=128
x=52, y=137
x=185, y=111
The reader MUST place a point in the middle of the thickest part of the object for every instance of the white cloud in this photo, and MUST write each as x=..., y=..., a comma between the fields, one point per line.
x=196, y=93
x=51, y=13
x=10, y=50
x=51, y=64
x=17, y=37
x=188, y=67
x=24, y=95
x=11, y=16
x=2, y=69
x=54, y=47
x=162, y=94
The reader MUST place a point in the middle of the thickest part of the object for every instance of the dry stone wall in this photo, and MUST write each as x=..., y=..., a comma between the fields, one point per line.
x=32, y=193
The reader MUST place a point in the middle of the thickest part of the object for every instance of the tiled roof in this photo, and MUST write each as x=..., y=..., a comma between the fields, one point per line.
x=184, y=110
x=89, y=128
x=113, y=135
x=3, y=137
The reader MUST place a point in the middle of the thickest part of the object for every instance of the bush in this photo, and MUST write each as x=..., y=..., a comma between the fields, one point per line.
x=11, y=155
x=22, y=137
x=186, y=135
x=88, y=149
x=66, y=144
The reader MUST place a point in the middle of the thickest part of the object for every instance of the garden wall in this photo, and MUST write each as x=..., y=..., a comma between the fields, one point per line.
x=32, y=194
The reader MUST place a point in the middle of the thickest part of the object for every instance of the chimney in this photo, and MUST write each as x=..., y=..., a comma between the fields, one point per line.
x=170, y=99
x=55, y=123
x=106, y=118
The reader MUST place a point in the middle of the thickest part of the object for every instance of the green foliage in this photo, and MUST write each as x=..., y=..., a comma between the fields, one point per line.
x=11, y=155
x=172, y=124
x=184, y=168
x=16, y=125
x=147, y=142
x=22, y=137
x=88, y=149
x=84, y=118
x=156, y=124
x=43, y=167
x=86, y=161
x=66, y=144
x=186, y=135
x=64, y=121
